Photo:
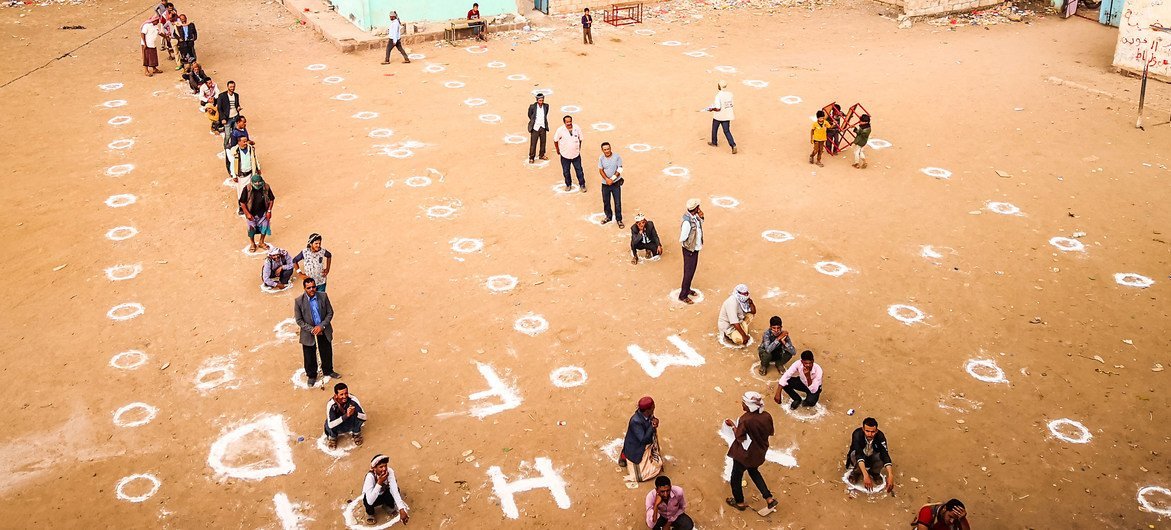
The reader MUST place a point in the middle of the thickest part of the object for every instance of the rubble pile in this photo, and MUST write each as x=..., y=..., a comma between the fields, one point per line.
x=687, y=11
x=1003, y=14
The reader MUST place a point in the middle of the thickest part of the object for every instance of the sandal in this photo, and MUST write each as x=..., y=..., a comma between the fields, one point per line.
x=732, y=502
x=332, y=443
x=369, y=519
x=358, y=440
x=772, y=505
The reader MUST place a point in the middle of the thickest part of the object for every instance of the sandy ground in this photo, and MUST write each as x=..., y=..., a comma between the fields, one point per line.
x=414, y=316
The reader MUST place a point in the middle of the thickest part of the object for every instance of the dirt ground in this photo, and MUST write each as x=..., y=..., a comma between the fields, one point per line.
x=413, y=317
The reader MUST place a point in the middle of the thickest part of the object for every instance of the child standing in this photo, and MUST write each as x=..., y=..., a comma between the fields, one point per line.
x=817, y=138
x=861, y=136
x=587, y=21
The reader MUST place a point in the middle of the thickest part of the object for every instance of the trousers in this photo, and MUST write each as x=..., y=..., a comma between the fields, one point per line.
x=727, y=125
x=738, y=470
x=310, y=352
x=690, y=262
x=384, y=499
x=534, y=136
x=391, y=45
x=576, y=163
x=351, y=425
x=795, y=385
x=610, y=191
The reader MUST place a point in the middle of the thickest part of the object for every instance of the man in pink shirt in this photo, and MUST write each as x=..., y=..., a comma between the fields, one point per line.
x=665, y=506
x=801, y=377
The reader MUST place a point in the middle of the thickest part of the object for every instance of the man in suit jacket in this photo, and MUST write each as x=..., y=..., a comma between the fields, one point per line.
x=313, y=314
x=644, y=237
x=538, y=126
x=185, y=35
x=228, y=103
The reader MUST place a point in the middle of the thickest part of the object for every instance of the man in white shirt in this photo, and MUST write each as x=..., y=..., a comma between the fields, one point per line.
x=394, y=32
x=538, y=126
x=804, y=376
x=567, y=142
x=722, y=107
x=735, y=315
x=691, y=239
x=381, y=489
x=149, y=40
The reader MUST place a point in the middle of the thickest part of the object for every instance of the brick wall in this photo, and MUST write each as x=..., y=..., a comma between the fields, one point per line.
x=918, y=8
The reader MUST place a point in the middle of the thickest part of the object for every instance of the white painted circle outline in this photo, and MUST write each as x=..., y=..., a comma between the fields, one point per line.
x=776, y=236
x=1147, y=505
x=724, y=201
x=380, y=133
x=791, y=100
x=878, y=143
x=453, y=84
x=316, y=67
x=258, y=252
x=723, y=340
x=929, y=252
x=546, y=92
x=725, y=69
x=559, y=189
x=467, y=245
x=531, y=324
x=114, y=103
x=121, y=233
x=333, y=80
x=640, y=148
x=985, y=364
x=1131, y=279
x=226, y=375
x=151, y=412
x=119, y=170
x=819, y=411
x=136, y=310
x=1003, y=208
x=674, y=296
x=418, y=181
x=676, y=171
x=124, y=143
x=698, y=54
x=352, y=522
x=879, y=485
x=755, y=83
x=120, y=200
x=139, y=355
x=345, y=96
x=594, y=218
x=831, y=268
x=1085, y=437
x=1066, y=244
x=340, y=452
x=644, y=32
x=120, y=120
x=365, y=115
x=570, y=109
x=501, y=283
x=400, y=153
x=475, y=102
x=416, y=56
x=936, y=172
x=895, y=312
x=110, y=87
x=514, y=139
x=300, y=380
x=269, y=290
x=293, y=332
x=670, y=43
x=537, y=164
x=518, y=77
x=441, y=211
x=602, y=126
x=490, y=118
x=496, y=64
x=119, y=273
x=577, y=376
x=476, y=49
x=154, y=488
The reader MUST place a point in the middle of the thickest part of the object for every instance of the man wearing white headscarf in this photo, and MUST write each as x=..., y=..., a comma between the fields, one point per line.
x=736, y=314
x=381, y=489
x=394, y=35
x=754, y=427
x=723, y=114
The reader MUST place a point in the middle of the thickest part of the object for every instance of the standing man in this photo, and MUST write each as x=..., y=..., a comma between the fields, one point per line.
x=314, y=314
x=610, y=168
x=587, y=22
x=722, y=107
x=477, y=25
x=736, y=314
x=861, y=137
x=538, y=126
x=691, y=237
x=256, y=201
x=394, y=33
x=665, y=507
x=343, y=415
x=775, y=346
x=567, y=142
x=242, y=164
x=640, y=448
x=804, y=376
x=228, y=103
x=185, y=36
x=148, y=36
x=868, y=456
x=755, y=426
x=643, y=236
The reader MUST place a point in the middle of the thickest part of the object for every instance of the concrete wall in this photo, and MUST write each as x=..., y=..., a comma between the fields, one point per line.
x=370, y=14
x=1138, y=44
x=918, y=8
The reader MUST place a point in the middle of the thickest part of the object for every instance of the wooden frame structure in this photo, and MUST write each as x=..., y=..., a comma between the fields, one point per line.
x=623, y=14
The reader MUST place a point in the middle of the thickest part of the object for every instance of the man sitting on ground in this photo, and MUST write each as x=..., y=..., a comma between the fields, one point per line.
x=868, y=456
x=736, y=314
x=277, y=269
x=643, y=236
x=381, y=489
x=775, y=346
x=665, y=507
x=343, y=415
x=804, y=376
x=950, y=515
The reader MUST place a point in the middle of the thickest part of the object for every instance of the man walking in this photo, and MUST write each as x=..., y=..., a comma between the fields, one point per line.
x=313, y=314
x=723, y=115
x=538, y=126
x=343, y=415
x=587, y=22
x=691, y=238
x=394, y=32
x=610, y=168
x=567, y=142
x=754, y=427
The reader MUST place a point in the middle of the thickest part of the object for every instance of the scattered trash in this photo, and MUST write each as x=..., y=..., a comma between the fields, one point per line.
x=416, y=444
x=165, y=366
x=433, y=478
x=467, y=453
x=1157, y=368
x=850, y=412
x=720, y=390
x=989, y=17
x=1128, y=342
x=561, y=423
x=300, y=439
x=59, y=267
x=1002, y=174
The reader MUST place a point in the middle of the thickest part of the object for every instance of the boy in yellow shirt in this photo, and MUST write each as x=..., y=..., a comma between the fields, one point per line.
x=817, y=137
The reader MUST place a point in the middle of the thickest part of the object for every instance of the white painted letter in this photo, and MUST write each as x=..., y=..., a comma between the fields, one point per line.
x=509, y=397
x=655, y=363
x=549, y=478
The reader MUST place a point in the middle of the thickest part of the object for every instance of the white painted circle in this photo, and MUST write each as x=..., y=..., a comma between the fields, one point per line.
x=514, y=139
x=671, y=43
x=879, y=484
x=536, y=164
x=114, y=103
x=336, y=453
x=1131, y=279
x=454, y=84
x=568, y=377
x=936, y=172
x=1003, y=208
x=803, y=413
x=124, y=143
x=542, y=91
x=352, y=521
x=300, y=381
x=365, y=115
x=128, y=360
x=518, y=77
x=723, y=340
x=120, y=120
x=476, y=49
x=258, y=252
x=125, y=311
x=674, y=296
x=496, y=64
x=831, y=268
x=596, y=218
x=698, y=54
x=119, y=273
x=149, y=414
x=755, y=83
x=286, y=329
x=120, y=200
x=465, y=245
x=878, y=143
x=1148, y=505
x=776, y=236
x=416, y=56
x=418, y=181
x=724, y=202
x=333, y=80
x=570, y=109
x=602, y=126
x=559, y=189
x=644, y=32
x=346, y=96
x=676, y=171
x=316, y=67
x=899, y=312
x=1066, y=244
x=985, y=370
x=121, y=233
x=475, y=102
x=110, y=87
x=121, y=493
x=119, y=170
x=639, y=148
x=440, y=211
x=531, y=324
x=381, y=133
x=490, y=118
x=501, y=283
x=791, y=100
x=1057, y=428
x=927, y=251
x=272, y=290
x=203, y=382
x=400, y=152
x=726, y=69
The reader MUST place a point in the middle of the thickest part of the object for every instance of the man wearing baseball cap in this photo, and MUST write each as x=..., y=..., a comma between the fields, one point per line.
x=691, y=238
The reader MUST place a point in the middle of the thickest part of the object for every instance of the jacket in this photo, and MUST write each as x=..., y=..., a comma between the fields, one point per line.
x=858, y=444
x=303, y=314
x=192, y=34
x=694, y=233
x=224, y=104
x=533, y=116
x=651, y=234
x=639, y=434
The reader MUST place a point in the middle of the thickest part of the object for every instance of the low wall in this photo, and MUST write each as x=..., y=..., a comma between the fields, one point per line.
x=919, y=8
x=374, y=14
